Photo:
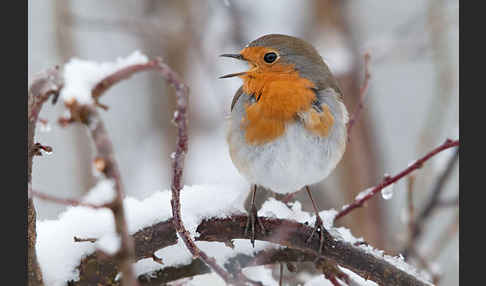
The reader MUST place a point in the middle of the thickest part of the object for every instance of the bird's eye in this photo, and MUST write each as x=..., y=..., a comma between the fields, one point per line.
x=270, y=57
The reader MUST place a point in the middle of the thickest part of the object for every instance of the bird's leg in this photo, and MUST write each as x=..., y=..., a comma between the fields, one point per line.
x=252, y=218
x=318, y=226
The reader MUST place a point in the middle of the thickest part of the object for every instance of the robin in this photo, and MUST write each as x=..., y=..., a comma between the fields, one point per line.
x=288, y=122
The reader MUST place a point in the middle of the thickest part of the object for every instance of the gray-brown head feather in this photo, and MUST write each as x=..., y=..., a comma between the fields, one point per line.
x=303, y=55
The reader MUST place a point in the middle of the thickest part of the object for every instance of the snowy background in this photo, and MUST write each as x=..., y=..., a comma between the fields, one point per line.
x=411, y=107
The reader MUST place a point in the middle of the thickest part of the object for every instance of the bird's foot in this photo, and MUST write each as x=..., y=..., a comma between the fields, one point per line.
x=319, y=230
x=252, y=219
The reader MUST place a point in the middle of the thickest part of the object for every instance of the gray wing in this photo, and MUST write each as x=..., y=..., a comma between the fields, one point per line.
x=238, y=93
x=322, y=96
x=247, y=99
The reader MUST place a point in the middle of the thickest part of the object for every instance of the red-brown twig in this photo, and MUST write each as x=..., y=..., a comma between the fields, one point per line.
x=390, y=180
x=180, y=119
x=70, y=202
x=362, y=94
x=410, y=209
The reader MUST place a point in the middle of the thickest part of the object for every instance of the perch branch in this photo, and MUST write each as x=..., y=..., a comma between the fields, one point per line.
x=355, y=258
x=390, y=180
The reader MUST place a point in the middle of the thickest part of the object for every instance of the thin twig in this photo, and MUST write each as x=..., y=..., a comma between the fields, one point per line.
x=431, y=205
x=390, y=180
x=180, y=119
x=70, y=202
x=362, y=94
x=411, y=182
x=444, y=238
x=426, y=266
x=445, y=203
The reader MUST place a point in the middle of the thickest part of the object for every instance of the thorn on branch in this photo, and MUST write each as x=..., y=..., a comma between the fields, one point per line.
x=37, y=149
x=77, y=239
x=157, y=259
x=291, y=267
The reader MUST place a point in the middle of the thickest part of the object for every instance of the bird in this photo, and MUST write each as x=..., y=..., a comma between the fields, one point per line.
x=287, y=125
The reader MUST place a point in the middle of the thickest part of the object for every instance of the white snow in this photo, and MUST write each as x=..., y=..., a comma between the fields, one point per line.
x=80, y=76
x=353, y=277
x=43, y=126
x=109, y=243
x=364, y=193
x=59, y=255
x=103, y=192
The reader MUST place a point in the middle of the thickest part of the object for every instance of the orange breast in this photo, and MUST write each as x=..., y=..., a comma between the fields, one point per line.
x=280, y=96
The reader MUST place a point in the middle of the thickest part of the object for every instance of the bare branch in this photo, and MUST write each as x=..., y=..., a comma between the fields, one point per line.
x=70, y=202
x=390, y=180
x=362, y=94
x=432, y=204
x=410, y=187
x=41, y=88
x=180, y=119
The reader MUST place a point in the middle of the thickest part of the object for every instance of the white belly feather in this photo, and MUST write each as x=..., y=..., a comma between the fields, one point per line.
x=292, y=161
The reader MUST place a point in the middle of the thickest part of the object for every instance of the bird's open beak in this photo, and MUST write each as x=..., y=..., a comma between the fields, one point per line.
x=235, y=56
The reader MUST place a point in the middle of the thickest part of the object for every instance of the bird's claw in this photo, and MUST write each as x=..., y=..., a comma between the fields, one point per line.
x=250, y=224
x=319, y=230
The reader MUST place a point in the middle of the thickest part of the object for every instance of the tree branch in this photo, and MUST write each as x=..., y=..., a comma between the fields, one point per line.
x=89, y=116
x=362, y=94
x=148, y=240
x=42, y=87
x=390, y=180
x=432, y=203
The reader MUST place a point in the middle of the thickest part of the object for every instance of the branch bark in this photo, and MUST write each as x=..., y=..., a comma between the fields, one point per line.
x=163, y=234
